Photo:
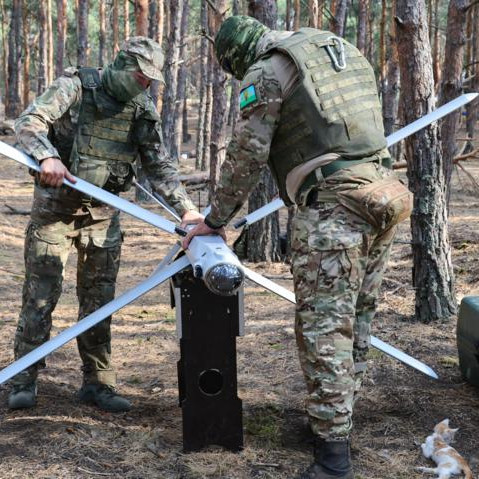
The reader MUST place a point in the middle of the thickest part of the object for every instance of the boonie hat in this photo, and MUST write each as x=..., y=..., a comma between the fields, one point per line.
x=148, y=54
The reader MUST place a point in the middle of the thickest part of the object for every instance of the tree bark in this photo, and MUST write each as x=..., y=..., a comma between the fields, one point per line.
x=203, y=80
x=14, y=104
x=171, y=74
x=141, y=17
x=338, y=20
x=102, y=34
x=42, y=48
x=297, y=15
x=4, y=53
x=436, y=46
x=26, y=56
x=182, y=75
x=61, y=35
x=313, y=6
x=260, y=241
x=114, y=26
x=451, y=84
x=472, y=108
x=218, y=131
x=288, y=23
x=126, y=18
x=50, y=68
x=390, y=100
x=382, y=47
x=83, y=46
x=363, y=8
x=433, y=276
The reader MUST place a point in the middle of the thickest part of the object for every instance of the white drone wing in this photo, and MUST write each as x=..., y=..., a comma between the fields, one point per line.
x=89, y=321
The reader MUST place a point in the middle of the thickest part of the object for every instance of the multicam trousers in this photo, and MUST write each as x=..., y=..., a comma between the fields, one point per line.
x=49, y=237
x=338, y=263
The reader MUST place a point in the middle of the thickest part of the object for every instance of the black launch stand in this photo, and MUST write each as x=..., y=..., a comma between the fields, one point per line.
x=207, y=327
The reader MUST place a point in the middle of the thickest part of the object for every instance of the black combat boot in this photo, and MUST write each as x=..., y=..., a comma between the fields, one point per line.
x=23, y=396
x=332, y=460
x=103, y=396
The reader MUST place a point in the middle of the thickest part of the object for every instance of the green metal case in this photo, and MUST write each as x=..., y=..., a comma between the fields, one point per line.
x=468, y=339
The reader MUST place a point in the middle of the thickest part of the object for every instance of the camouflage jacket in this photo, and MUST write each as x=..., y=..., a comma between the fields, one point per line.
x=57, y=109
x=248, y=151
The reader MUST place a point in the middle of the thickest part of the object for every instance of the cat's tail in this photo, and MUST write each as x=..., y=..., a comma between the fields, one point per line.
x=432, y=470
x=467, y=472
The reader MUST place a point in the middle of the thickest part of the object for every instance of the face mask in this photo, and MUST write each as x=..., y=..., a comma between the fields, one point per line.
x=118, y=78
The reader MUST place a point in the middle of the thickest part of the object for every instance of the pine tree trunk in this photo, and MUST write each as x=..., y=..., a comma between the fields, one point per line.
x=218, y=131
x=14, y=104
x=50, y=68
x=433, y=276
x=363, y=8
x=171, y=74
x=160, y=21
x=390, y=100
x=126, y=19
x=451, y=85
x=26, y=57
x=338, y=21
x=297, y=15
x=114, y=26
x=141, y=17
x=181, y=90
x=205, y=157
x=371, y=47
x=42, y=48
x=4, y=53
x=473, y=107
x=436, y=52
x=313, y=13
x=156, y=32
x=102, y=34
x=260, y=241
x=61, y=35
x=288, y=23
x=382, y=48
x=82, y=49
x=203, y=80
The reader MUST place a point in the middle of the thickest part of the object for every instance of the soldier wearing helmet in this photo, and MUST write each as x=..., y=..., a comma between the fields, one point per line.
x=309, y=111
x=92, y=123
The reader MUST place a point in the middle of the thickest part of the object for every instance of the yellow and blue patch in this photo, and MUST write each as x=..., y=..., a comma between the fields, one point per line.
x=248, y=96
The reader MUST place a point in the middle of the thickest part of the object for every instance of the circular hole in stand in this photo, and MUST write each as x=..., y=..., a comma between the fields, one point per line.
x=211, y=382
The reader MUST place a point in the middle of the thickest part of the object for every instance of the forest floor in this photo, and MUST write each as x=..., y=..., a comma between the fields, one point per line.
x=397, y=408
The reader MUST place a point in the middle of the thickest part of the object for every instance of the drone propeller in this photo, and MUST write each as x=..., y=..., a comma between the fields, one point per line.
x=375, y=342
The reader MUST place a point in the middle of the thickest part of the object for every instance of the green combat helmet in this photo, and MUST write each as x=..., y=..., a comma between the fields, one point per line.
x=235, y=44
x=148, y=54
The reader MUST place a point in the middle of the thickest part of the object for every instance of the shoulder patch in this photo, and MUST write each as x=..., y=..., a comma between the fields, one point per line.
x=248, y=96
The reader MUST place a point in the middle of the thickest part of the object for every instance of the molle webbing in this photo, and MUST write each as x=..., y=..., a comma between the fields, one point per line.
x=104, y=125
x=330, y=111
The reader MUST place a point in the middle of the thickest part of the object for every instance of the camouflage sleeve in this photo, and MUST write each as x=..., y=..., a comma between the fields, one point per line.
x=32, y=126
x=160, y=168
x=248, y=151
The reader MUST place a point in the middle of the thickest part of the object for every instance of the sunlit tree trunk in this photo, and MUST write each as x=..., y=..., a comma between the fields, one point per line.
x=83, y=46
x=61, y=35
x=203, y=80
x=126, y=19
x=50, y=68
x=4, y=52
x=102, y=34
x=436, y=50
x=42, y=48
x=363, y=7
x=297, y=15
x=141, y=17
x=114, y=26
x=26, y=56
x=382, y=47
x=433, y=277
x=473, y=107
x=14, y=104
x=313, y=6
x=451, y=84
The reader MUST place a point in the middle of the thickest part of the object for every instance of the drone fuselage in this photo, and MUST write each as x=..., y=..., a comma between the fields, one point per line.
x=214, y=262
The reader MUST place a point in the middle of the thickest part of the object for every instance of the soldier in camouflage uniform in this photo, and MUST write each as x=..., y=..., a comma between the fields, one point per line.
x=92, y=123
x=310, y=112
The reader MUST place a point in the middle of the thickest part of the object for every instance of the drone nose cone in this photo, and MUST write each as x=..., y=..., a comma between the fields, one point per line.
x=224, y=279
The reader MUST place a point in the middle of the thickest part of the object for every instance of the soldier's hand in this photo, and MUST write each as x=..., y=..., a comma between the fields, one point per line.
x=52, y=172
x=191, y=218
x=202, y=229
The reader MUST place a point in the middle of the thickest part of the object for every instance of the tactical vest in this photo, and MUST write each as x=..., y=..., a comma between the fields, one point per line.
x=103, y=151
x=331, y=110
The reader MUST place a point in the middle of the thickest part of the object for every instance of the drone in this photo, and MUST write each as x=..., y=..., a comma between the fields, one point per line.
x=209, y=256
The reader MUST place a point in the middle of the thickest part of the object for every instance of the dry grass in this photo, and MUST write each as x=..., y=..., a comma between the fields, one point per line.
x=397, y=407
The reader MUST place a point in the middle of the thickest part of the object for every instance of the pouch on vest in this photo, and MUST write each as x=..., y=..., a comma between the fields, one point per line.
x=382, y=204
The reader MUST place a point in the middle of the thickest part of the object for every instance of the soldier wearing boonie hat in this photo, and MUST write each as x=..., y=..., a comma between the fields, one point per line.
x=148, y=54
x=93, y=123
